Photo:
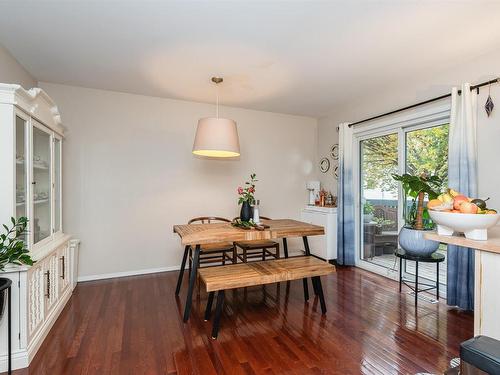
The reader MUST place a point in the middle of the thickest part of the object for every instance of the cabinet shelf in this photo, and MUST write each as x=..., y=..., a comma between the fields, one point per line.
x=36, y=167
x=38, y=201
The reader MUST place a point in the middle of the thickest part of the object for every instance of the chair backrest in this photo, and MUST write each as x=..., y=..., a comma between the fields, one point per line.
x=261, y=218
x=208, y=220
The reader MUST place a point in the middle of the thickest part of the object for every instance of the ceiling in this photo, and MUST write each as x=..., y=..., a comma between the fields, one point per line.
x=297, y=57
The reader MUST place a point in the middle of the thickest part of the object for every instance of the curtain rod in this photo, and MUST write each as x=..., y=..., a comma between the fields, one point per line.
x=475, y=87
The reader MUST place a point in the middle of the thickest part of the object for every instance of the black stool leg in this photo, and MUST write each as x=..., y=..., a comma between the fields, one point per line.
x=181, y=271
x=285, y=247
x=317, y=281
x=218, y=312
x=208, y=310
x=306, y=289
x=400, y=273
x=437, y=281
x=416, y=283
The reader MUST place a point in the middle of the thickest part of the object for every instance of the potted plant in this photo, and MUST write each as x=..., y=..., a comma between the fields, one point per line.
x=417, y=220
x=13, y=250
x=246, y=198
x=380, y=222
x=368, y=211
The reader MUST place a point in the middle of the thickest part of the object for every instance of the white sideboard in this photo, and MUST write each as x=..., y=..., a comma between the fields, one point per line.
x=325, y=246
x=31, y=138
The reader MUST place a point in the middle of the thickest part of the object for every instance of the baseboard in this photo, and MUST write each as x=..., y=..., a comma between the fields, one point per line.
x=126, y=273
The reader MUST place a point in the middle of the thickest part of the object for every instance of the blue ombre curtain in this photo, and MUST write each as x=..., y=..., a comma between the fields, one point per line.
x=345, y=206
x=462, y=176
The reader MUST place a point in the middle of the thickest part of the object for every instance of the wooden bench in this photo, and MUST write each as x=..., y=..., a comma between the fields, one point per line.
x=221, y=278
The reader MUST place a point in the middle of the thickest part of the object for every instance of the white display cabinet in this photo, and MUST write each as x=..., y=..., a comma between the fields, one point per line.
x=325, y=246
x=31, y=141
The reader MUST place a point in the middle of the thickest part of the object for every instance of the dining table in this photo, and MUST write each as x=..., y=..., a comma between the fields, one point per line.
x=193, y=236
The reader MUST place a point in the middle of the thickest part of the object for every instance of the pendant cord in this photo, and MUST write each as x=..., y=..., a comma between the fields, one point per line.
x=217, y=101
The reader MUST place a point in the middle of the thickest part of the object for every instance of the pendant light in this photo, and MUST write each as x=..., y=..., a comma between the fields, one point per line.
x=216, y=137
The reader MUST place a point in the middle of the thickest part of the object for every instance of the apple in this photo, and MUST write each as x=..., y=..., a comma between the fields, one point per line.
x=458, y=200
x=468, y=208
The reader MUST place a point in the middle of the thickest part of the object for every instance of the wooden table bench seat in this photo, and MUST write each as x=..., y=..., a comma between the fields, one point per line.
x=221, y=278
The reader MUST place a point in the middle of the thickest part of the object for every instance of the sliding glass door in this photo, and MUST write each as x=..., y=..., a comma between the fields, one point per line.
x=416, y=149
x=379, y=198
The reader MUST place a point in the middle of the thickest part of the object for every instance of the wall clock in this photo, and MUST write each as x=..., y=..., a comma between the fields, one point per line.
x=324, y=165
x=334, y=151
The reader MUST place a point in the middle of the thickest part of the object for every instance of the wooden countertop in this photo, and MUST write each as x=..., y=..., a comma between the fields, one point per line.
x=492, y=244
x=200, y=234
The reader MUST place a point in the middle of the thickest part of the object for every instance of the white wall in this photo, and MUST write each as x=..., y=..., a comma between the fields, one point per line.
x=428, y=85
x=13, y=72
x=129, y=174
x=327, y=137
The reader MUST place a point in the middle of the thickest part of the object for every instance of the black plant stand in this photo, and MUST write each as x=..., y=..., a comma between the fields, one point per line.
x=5, y=284
x=433, y=258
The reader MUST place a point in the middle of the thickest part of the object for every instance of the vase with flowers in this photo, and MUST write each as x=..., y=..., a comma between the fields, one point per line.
x=246, y=198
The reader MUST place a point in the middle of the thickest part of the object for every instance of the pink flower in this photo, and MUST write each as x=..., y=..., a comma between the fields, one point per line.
x=240, y=190
x=251, y=189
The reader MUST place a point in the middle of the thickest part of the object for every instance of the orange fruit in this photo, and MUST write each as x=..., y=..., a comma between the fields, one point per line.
x=434, y=203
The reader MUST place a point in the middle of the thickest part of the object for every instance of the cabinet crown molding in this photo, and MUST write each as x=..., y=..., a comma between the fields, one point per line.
x=35, y=102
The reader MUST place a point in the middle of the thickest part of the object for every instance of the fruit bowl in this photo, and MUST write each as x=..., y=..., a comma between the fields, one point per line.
x=473, y=226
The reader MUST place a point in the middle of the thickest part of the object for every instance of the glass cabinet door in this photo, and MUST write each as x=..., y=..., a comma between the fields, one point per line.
x=57, y=185
x=41, y=191
x=21, y=168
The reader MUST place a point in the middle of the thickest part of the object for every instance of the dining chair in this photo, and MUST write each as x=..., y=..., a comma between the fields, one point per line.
x=216, y=252
x=257, y=249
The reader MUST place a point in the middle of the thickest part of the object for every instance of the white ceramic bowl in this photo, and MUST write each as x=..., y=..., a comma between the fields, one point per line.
x=473, y=226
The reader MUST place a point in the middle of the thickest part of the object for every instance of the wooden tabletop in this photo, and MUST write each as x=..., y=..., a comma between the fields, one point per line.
x=199, y=234
x=492, y=244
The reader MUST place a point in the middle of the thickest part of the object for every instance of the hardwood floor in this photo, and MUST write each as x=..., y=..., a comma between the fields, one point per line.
x=134, y=326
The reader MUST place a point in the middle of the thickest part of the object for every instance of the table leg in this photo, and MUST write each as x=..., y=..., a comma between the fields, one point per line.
x=437, y=281
x=218, y=313
x=416, y=283
x=304, y=281
x=9, y=329
x=400, y=273
x=192, y=280
x=285, y=247
x=208, y=309
x=181, y=271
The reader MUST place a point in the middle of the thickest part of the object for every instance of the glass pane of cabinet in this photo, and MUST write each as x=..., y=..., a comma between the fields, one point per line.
x=41, y=224
x=21, y=166
x=57, y=185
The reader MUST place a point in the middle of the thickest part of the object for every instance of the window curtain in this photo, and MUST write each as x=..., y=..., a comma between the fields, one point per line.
x=345, y=207
x=462, y=175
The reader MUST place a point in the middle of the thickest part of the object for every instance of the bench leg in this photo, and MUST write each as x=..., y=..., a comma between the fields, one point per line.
x=315, y=286
x=317, y=281
x=208, y=310
x=218, y=313
x=181, y=271
x=192, y=280
x=306, y=289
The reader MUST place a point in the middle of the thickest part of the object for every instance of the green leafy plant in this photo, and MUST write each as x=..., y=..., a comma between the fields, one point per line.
x=13, y=248
x=380, y=221
x=368, y=208
x=247, y=193
x=416, y=187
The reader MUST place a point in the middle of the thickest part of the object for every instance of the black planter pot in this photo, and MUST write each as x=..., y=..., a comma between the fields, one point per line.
x=246, y=212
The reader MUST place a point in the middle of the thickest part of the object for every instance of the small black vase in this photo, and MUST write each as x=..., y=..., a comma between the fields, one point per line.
x=246, y=212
